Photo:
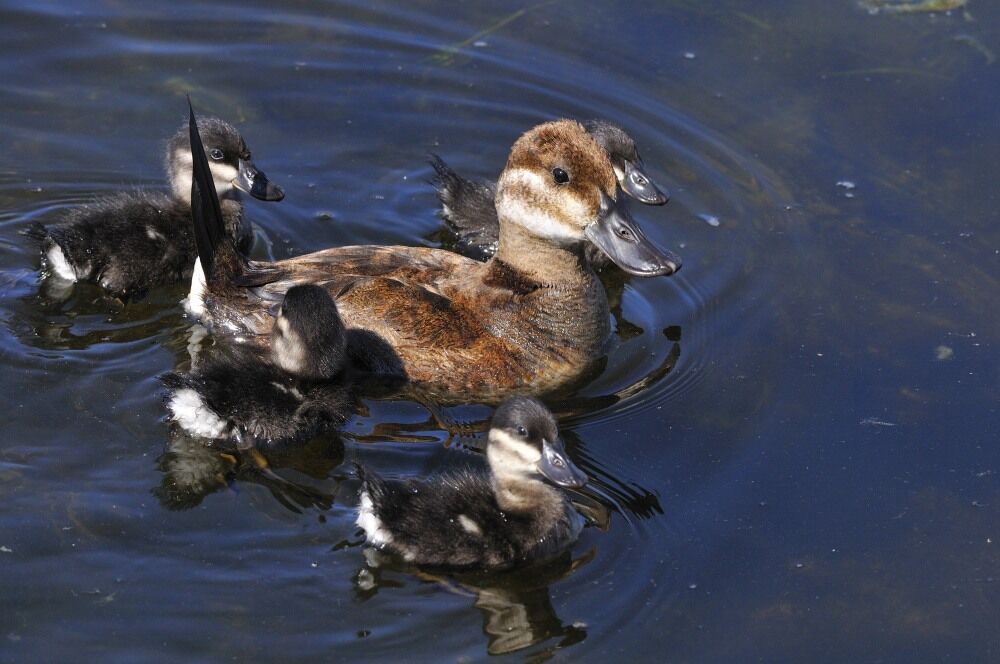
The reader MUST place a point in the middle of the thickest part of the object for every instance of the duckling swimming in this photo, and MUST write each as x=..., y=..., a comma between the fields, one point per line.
x=468, y=209
x=476, y=518
x=534, y=317
x=293, y=395
x=132, y=241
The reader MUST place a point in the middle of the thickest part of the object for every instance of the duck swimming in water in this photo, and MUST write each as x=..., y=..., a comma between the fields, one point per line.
x=132, y=241
x=507, y=515
x=467, y=206
x=295, y=394
x=533, y=318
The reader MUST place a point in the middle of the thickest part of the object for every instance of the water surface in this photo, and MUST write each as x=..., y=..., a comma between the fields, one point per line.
x=794, y=440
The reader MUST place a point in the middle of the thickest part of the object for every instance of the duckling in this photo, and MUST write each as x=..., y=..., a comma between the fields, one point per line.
x=467, y=205
x=293, y=395
x=535, y=317
x=132, y=241
x=478, y=518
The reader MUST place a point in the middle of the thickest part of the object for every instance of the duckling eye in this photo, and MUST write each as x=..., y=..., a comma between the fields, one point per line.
x=560, y=176
x=624, y=233
x=216, y=154
x=557, y=462
x=522, y=432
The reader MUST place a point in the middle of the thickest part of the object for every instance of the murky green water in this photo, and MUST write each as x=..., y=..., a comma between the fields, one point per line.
x=796, y=437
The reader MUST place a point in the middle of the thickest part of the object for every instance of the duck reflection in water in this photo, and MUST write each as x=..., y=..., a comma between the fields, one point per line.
x=516, y=605
x=193, y=470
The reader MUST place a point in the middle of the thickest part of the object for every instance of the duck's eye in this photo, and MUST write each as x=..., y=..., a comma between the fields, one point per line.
x=522, y=432
x=560, y=176
x=216, y=154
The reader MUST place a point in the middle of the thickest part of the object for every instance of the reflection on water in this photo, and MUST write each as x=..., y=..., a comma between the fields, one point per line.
x=740, y=505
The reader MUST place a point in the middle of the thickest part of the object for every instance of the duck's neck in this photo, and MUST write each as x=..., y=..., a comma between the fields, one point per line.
x=541, y=260
x=517, y=493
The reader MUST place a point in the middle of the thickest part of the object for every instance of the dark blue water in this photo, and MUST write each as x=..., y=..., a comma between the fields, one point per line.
x=794, y=443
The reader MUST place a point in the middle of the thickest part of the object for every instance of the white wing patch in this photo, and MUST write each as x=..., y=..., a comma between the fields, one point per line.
x=469, y=526
x=60, y=266
x=190, y=411
x=369, y=522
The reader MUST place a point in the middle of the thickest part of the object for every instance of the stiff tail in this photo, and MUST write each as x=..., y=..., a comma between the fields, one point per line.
x=221, y=261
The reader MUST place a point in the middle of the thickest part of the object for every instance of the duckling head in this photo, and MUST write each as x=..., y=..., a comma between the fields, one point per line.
x=308, y=338
x=229, y=159
x=628, y=165
x=524, y=444
x=560, y=186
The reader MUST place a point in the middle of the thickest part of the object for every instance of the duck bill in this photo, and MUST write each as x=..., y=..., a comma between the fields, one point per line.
x=640, y=186
x=557, y=467
x=617, y=235
x=256, y=184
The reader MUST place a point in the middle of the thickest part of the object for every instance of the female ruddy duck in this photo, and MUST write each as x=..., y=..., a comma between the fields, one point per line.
x=467, y=205
x=133, y=241
x=534, y=317
x=476, y=518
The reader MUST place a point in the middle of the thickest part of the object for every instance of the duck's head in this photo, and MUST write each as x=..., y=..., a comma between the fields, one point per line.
x=625, y=159
x=524, y=444
x=559, y=185
x=228, y=157
x=308, y=338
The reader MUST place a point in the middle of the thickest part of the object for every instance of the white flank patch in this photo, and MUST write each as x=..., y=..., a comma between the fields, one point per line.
x=189, y=410
x=512, y=207
x=469, y=526
x=195, y=302
x=370, y=523
x=60, y=266
x=154, y=234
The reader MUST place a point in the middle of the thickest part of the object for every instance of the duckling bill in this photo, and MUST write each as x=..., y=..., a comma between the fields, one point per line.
x=132, y=241
x=534, y=317
x=509, y=514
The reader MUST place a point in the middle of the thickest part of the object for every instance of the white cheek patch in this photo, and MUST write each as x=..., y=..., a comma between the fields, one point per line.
x=287, y=348
x=514, y=204
x=183, y=171
x=369, y=522
x=223, y=174
x=509, y=456
x=190, y=411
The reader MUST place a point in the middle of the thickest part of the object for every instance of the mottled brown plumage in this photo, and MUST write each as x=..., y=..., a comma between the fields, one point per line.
x=532, y=319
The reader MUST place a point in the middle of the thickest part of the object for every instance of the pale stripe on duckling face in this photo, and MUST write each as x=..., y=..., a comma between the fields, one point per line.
x=181, y=172
x=526, y=198
x=511, y=458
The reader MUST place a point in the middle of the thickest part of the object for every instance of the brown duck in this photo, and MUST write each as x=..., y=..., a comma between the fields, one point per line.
x=531, y=319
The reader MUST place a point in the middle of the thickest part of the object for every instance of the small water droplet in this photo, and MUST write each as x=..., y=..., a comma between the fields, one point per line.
x=689, y=55
x=709, y=219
